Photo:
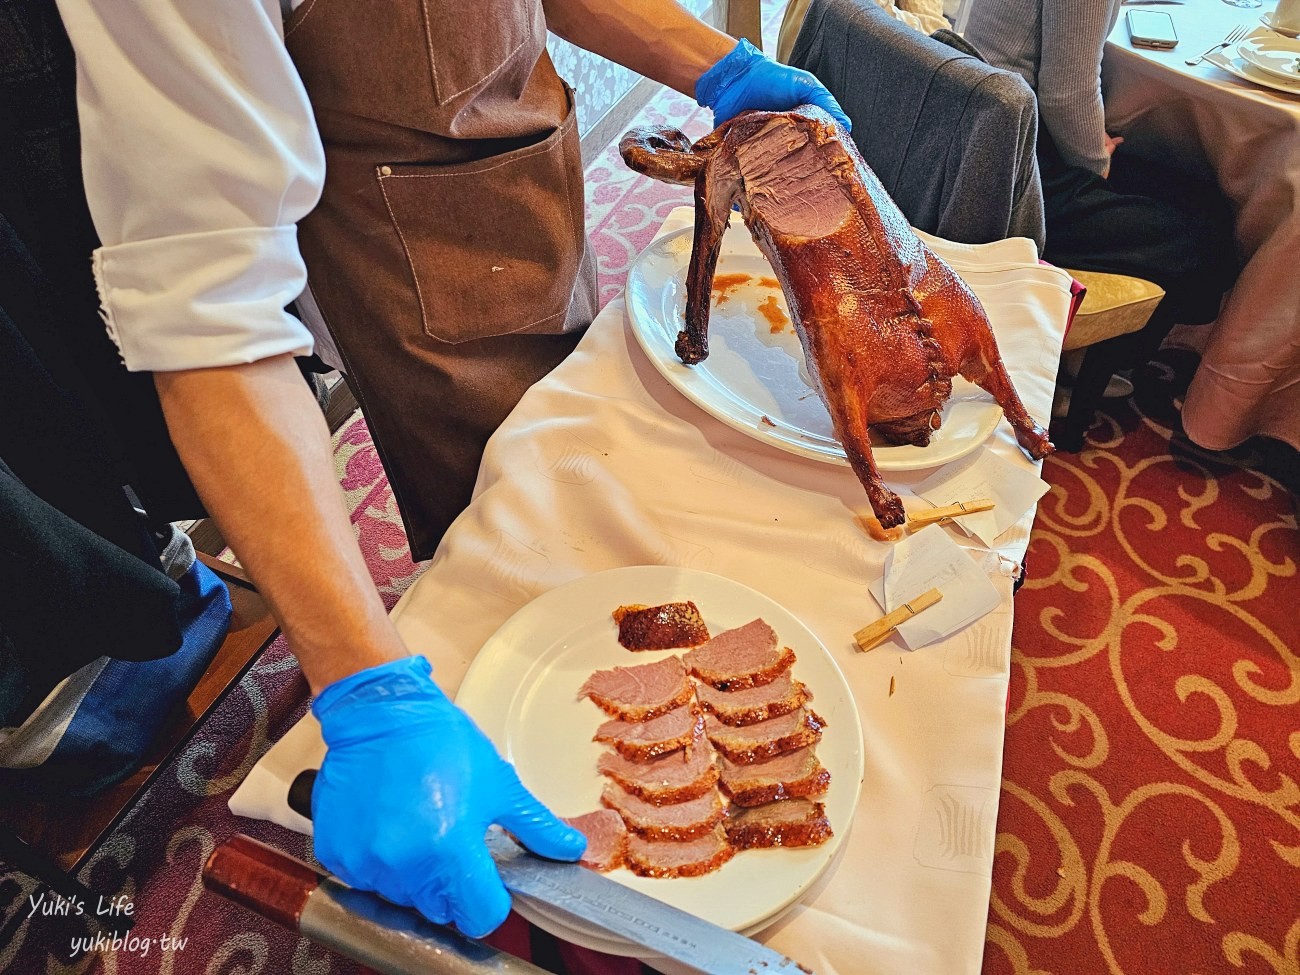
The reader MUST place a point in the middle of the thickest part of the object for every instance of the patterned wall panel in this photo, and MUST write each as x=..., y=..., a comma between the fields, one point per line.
x=600, y=83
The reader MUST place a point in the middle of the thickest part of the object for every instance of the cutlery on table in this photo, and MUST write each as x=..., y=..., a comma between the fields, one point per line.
x=1237, y=34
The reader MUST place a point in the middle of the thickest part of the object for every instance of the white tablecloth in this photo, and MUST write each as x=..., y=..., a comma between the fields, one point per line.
x=1247, y=138
x=604, y=464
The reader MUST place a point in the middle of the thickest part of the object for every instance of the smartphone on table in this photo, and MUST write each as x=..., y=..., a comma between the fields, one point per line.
x=1152, y=29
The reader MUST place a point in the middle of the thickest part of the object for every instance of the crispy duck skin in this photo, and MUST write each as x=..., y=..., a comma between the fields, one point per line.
x=767, y=739
x=754, y=704
x=885, y=324
x=789, y=823
x=691, y=858
x=644, y=741
x=664, y=627
x=792, y=775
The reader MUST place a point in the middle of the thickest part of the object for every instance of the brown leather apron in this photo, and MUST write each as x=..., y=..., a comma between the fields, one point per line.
x=447, y=254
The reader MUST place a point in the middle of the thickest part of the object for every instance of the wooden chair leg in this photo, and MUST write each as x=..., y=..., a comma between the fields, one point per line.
x=43, y=869
x=1098, y=366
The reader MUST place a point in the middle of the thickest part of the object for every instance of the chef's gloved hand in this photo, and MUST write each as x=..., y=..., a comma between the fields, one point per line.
x=406, y=792
x=747, y=78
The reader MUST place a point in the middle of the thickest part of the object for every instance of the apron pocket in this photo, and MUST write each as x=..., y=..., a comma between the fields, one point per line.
x=501, y=32
x=434, y=52
x=493, y=245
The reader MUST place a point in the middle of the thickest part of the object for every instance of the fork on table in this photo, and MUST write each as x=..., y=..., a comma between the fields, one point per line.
x=1233, y=37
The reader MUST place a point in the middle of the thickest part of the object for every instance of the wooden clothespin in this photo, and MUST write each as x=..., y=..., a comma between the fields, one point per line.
x=876, y=633
x=955, y=510
x=920, y=520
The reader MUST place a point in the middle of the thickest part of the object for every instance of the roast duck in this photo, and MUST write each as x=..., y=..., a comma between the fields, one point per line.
x=885, y=324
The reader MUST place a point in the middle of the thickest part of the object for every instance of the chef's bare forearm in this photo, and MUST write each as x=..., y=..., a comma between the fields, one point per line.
x=254, y=442
x=657, y=38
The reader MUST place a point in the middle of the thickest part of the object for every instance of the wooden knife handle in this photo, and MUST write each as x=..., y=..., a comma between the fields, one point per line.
x=261, y=878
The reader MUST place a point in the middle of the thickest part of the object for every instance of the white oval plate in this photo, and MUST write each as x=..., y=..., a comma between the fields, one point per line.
x=522, y=690
x=1279, y=56
x=755, y=379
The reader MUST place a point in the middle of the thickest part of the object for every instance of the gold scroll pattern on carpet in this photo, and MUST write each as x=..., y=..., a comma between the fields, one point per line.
x=1150, y=812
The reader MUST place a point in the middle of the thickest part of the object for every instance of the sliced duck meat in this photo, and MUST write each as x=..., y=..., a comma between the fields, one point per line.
x=676, y=821
x=794, y=775
x=670, y=858
x=641, y=741
x=606, y=838
x=766, y=739
x=673, y=778
x=781, y=696
x=747, y=656
x=790, y=822
x=663, y=627
x=641, y=692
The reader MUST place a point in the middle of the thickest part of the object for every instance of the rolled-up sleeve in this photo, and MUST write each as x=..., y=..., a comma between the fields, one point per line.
x=200, y=154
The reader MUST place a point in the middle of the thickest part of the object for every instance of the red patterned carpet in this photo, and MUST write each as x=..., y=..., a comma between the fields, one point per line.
x=1150, y=813
x=1150, y=820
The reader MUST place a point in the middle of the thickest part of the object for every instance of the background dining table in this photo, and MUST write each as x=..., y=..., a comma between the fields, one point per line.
x=1247, y=138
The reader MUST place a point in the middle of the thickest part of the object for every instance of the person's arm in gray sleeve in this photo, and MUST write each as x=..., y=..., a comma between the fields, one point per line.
x=1069, y=79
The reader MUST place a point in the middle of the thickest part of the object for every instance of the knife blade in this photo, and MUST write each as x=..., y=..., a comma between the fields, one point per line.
x=582, y=895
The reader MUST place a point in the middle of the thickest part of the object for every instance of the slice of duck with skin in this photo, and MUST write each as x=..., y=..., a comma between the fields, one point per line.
x=640, y=692
x=606, y=839
x=664, y=627
x=754, y=704
x=642, y=741
x=766, y=739
x=668, y=858
x=677, y=821
x=678, y=777
x=788, y=823
x=794, y=775
x=747, y=656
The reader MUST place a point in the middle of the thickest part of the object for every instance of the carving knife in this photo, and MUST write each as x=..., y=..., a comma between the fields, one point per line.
x=582, y=895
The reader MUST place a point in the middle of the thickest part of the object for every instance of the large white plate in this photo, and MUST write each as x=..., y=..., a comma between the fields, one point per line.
x=1243, y=69
x=1279, y=56
x=754, y=379
x=522, y=690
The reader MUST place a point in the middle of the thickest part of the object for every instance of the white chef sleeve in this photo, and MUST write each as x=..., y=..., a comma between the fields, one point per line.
x=200, y=154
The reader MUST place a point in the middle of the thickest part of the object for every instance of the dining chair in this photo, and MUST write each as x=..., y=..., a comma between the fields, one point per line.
x=1113, y=305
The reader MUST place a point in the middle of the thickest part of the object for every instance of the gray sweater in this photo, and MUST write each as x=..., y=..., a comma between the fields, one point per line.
x=1056, y=46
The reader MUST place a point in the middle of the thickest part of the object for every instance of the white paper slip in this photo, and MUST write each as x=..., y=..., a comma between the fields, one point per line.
x=931, y=560
x=985, y=475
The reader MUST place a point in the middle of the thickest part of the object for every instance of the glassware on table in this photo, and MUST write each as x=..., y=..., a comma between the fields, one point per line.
x=1244, y=3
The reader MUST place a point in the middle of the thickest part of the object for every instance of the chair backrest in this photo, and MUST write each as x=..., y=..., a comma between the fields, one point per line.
x=951, y=137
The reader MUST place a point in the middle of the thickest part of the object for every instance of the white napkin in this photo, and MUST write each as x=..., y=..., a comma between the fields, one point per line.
x=1014, y=488
x=931, y=560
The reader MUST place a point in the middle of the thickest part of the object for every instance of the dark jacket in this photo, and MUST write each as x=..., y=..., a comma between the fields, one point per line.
x=951, y=138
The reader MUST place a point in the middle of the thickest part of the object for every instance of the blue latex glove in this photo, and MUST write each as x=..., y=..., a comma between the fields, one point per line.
x=406, y=792
x=747, y=78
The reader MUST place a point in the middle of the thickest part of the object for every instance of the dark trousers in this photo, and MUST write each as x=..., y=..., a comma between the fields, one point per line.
x=1146, y=220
